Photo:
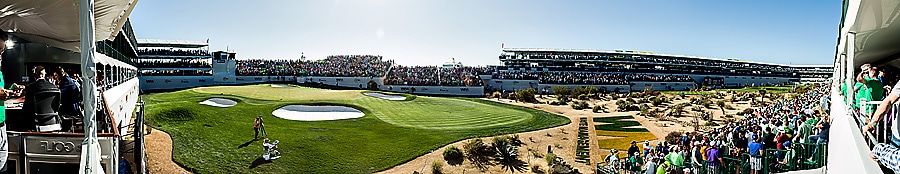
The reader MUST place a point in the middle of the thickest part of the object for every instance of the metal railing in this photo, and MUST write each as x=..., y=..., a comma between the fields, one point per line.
x=882, y=131
x=803, y=156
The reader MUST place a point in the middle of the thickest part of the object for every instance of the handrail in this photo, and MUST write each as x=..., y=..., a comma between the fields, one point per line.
x=881, y=133
x=112, y=119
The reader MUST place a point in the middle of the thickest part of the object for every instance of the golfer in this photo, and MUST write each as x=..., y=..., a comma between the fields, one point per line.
x=257, y=124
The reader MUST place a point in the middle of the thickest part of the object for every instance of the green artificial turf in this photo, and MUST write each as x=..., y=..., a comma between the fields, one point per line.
x=220, y=140
x=617, y=124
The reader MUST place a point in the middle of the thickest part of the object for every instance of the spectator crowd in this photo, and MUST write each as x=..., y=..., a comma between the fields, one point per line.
x=333, y=66
x=180, y=63
x=781, y=136
x=172, y=52
x=589, y=77
x=436, y=76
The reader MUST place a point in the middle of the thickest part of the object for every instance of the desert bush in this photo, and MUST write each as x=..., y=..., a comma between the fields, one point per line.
x=561, y=90
x=551, y=159
x=673, y=137
x=452, y=153
x=579, y=105
x=526, y=95
x=598, y=109
x=476, y=149
x=747, y=111
x=711, y=123
x=436, y=166
x=535, y=168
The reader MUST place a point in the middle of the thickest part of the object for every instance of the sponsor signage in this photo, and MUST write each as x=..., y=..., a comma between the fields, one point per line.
x=60, y=145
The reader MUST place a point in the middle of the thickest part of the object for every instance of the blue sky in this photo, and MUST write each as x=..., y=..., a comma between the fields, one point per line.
x=425, y=32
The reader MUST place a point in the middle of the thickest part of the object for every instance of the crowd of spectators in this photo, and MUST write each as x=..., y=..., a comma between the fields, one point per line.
x=589, y=77
x=654, y=59
x=776, y=132
x=176, y=72
x=154, y=63
x=333, y=66
x=436, y=76
x=172, y=52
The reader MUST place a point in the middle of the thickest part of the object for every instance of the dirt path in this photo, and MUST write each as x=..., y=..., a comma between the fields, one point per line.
x=159, y=154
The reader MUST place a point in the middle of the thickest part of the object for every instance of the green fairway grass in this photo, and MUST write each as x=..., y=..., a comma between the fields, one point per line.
x=617, y=123
x=219, y=140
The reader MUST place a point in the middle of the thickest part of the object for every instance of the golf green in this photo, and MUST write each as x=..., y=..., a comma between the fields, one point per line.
x=220, y=140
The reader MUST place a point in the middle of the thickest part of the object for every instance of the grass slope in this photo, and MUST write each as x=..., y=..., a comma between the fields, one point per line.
x=219, y=140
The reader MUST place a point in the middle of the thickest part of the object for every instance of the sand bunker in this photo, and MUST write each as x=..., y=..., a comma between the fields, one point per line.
x=316, y=113
x=219, y=102
x=385, y=96
x=279, y=86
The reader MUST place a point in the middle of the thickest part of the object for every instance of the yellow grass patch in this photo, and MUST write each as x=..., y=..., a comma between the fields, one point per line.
x=622, y=140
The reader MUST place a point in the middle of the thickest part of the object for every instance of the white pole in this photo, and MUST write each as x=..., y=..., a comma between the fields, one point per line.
x=90, y=153
x=850, y=77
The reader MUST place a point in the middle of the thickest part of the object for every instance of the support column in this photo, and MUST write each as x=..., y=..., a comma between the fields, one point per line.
x=850, y=77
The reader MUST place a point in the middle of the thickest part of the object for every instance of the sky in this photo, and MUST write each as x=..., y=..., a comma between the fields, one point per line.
x=431, y=32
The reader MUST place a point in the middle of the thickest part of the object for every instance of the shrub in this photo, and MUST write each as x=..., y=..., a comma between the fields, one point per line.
x=579, y=105
x=561, y=90
x=551, y=159
x=526, y=95
x=452, y=153
x=598, y=109
x=711, y=123
x=557, y=103
x=535, y=168
x=729, y=107
x=476, y=149
x=748, y=111
x=436, y=166
x=658, y=100
x=673, y=137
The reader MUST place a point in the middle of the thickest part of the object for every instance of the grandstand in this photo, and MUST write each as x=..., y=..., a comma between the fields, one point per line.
x=165, y=64
x=637, y=70
x=618, y=71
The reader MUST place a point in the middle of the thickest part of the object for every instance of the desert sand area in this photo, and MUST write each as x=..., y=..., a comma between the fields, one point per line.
x=562, y=140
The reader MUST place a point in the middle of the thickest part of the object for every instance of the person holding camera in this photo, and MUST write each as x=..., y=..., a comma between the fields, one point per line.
x=870, y=87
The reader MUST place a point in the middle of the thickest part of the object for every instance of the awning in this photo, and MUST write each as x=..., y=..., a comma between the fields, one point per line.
x=106, y=60
x=877, y=36
x=55, y=22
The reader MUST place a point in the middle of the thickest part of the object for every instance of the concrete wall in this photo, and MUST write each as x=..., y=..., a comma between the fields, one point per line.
x=437, y=90
x=173, y=82
x=662, y=86
x=347, y=82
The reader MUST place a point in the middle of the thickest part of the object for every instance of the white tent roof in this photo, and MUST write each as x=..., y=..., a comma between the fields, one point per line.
x=877, y=36
x=55, y=22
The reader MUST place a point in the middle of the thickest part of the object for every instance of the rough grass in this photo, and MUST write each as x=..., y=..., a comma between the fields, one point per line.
x=219, y=140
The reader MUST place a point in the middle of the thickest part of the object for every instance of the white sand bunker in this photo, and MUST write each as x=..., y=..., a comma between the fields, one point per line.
x=279, y=86
x=385, y=96
x=316, y=113
x=219, y=102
